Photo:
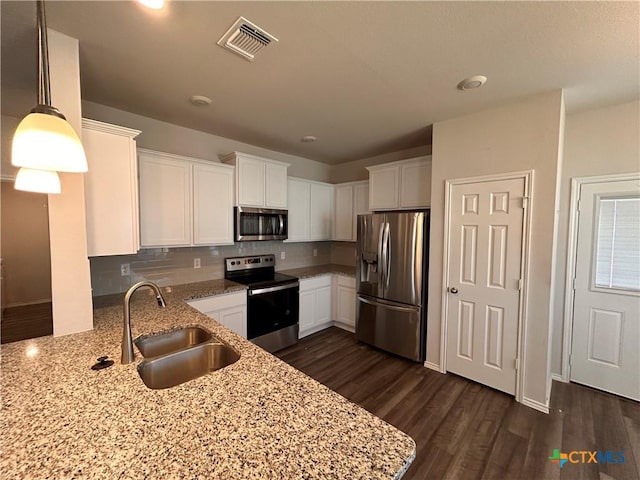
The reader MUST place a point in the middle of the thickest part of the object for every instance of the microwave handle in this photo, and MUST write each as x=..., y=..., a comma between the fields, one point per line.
x=281, y=217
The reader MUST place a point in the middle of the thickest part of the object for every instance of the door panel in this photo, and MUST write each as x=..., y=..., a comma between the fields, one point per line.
x=485, y=252
x=370, y=234
x=606, y=314
x=392, y=327
x=404, y=257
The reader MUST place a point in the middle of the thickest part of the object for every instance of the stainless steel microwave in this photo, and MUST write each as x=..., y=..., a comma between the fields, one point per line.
x=253, y=224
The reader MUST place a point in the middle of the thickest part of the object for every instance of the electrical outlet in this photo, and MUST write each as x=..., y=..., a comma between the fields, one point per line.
x=125, y=269
x=196, y=263
x=315, y=252
x=283, y=255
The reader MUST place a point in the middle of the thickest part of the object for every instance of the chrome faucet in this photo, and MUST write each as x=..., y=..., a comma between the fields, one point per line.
x=127, y=341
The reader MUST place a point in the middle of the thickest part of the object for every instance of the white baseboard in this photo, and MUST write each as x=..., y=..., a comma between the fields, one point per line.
x=559, y=378
x=433, y=366
x=541, y=407
x=315, y=329
x=344, y=326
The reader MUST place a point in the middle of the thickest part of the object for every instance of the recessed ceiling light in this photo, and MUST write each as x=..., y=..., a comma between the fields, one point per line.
x=155, y=4
x=308, y=139
x=200, y=100
x=476, y=81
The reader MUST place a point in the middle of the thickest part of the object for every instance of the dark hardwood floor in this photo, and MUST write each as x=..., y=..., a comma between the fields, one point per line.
x=464, y=430
x=27, y=321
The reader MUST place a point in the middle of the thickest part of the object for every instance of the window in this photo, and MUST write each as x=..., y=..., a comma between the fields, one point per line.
x=618, y=243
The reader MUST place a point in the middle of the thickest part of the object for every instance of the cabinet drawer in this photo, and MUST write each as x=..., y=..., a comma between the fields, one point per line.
x=346, y=281
x=314, y=283
x=219, y=302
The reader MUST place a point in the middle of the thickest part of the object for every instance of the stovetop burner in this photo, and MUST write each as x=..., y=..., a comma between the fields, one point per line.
x=255, y=272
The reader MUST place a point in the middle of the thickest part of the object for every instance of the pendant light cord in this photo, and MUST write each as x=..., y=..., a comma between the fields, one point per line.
x=44, y=82
x=44, y=87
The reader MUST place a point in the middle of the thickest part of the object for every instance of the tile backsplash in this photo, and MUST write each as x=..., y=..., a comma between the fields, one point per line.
x=174, y=266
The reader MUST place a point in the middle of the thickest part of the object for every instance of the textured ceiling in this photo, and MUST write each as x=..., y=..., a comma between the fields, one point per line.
x=366, y=78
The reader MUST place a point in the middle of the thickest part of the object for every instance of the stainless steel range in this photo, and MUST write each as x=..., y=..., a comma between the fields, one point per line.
x=272, y=300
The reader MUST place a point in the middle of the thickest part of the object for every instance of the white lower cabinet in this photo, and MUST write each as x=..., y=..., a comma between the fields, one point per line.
x=228, y=309
x=315, y=304
x=344, y=302
x=327, y=300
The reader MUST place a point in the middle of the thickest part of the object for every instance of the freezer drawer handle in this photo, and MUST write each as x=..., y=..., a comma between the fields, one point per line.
x=390, y=307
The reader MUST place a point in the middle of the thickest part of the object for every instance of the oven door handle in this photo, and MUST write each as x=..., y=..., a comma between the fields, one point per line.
x=258, y=291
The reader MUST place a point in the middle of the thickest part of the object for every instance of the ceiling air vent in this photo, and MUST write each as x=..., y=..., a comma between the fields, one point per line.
x=246, y=39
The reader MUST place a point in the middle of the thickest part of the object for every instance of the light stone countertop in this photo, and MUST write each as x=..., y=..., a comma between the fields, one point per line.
x=258, y=418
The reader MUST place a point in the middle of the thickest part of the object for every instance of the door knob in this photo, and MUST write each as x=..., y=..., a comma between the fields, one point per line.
x=453, y=290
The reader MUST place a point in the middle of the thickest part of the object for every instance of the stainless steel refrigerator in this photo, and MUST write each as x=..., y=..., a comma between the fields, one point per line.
x=391, y=282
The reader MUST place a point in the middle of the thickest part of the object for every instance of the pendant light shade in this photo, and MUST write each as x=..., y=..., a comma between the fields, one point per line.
x=44, y=141
x=41, y=181
x=47, y=142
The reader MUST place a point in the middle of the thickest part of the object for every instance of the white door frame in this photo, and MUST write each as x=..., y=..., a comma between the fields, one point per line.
x=527, y=175
x=572, y=250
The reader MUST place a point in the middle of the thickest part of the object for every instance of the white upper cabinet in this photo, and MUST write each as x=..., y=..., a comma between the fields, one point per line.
x=310, y=210
x=275, y=185
x=165, y=200
x=400, y=185
x=351, y=200
x=111, y=189
x=321, y=211
x=299, y=206
x=212, y=204
x=260, y=182
x=184, y=201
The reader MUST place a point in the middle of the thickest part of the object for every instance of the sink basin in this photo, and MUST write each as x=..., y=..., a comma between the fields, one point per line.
x=183, y=365
x=154, y=345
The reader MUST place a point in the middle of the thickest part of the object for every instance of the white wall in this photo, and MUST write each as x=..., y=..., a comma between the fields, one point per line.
x=597, y=142
x=166, y=137
x=521, y=136
x=70, y=279
x=355, y=170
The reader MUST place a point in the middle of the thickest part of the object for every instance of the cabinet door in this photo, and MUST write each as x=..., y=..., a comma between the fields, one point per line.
x=306, y=317
x=111, y=191
x=275, y=186
x=235, y=319
x=212, y=204
x=298, y=218
x=416, y=185
x=250, y=182
x=345, y=305
x=165, y=206
x=383, y=188
x=360, y=205
x=323, y=305
x=343, y=224
x=321, y=211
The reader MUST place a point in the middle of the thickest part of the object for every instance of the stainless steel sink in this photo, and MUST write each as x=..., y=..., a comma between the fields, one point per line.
x=187, y=364
x=157, y=344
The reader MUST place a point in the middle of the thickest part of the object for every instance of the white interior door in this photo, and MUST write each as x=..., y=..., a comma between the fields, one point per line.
x=606, y=315
x=484, y=271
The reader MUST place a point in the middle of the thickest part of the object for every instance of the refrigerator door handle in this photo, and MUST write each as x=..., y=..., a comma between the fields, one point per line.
x=381, y=258
x=397, y=308
x=387, y=261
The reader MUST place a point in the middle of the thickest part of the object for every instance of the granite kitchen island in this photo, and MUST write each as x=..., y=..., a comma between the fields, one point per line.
x=258, y=418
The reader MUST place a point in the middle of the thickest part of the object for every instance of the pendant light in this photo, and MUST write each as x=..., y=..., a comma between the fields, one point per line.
x=44, y=140
x=39, y=181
